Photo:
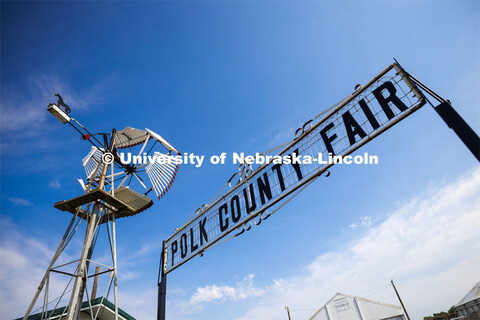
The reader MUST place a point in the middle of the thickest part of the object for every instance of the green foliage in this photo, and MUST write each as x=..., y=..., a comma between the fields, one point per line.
x=442, y=315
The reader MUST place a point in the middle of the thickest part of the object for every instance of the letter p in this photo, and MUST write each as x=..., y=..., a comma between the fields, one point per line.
x=174, y=250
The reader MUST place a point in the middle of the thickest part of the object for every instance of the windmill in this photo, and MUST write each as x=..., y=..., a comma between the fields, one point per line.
x=108, y=195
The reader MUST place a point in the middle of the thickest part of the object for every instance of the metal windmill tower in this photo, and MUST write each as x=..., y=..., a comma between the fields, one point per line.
x=107, y=197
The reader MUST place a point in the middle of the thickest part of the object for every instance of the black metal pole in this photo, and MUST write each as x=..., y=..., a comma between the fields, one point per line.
x=451, y=117
x=162, y=288
x=455, y=122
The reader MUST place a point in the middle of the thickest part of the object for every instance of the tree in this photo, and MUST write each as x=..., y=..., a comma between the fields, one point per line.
x=442, y=315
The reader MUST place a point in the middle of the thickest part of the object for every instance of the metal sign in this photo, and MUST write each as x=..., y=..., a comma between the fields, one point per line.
x=369, y=111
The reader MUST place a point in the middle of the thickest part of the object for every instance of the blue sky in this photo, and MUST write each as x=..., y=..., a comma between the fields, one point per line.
x=216, y=77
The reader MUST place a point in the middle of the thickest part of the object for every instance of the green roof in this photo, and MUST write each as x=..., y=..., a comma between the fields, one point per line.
x=95, y=303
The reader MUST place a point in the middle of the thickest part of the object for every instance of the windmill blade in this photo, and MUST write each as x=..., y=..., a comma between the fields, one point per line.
x=91, y=161
x=84, y=187
x=138, y=202
x=162, y=141
x=161, y=178
x=160, y=174
x=130, y=137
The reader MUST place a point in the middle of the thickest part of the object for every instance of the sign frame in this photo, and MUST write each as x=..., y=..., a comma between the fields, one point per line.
x=303, y=182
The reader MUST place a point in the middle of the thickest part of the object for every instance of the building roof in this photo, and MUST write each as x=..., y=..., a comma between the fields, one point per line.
x=473, y=294
x=107, y=306
x=368, y=309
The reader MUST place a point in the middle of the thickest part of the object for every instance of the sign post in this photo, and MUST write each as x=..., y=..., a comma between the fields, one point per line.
x=162, y=287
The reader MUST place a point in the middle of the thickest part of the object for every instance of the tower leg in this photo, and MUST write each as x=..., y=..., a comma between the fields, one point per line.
x=82, y=271
x=114, y=254
x=54, y=259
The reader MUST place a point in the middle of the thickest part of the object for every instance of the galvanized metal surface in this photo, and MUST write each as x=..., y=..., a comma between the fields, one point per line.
x=138, y=202
x=347, y=307
x=130, y=137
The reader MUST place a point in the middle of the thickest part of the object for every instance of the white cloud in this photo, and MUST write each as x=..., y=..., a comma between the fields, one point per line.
x=364, y=222
x=22, y=265
x=55, y=184
x=242, y=290
x=20, y=201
